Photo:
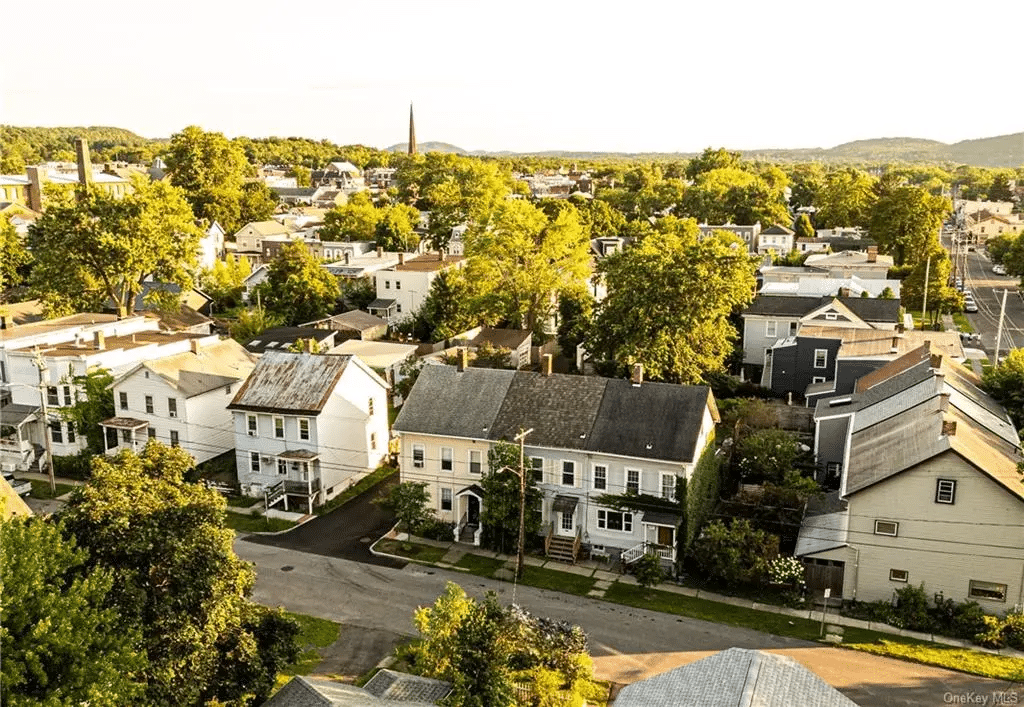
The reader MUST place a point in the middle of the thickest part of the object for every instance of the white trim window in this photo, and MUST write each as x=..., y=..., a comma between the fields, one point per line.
x=476, y=464
x=617, y=521
x=899, y=576
x=172, y=407
x=633, y=481
x=446, y=499
x=251, y=425
x=254, y=462
x=279, y=428
x=990, y=591
x=122, y=399
x=887, y=527
x=945, y=491
x=447, y=457
x=817, y=379
x=568, y=473
x=600, y=477
x=771, y=328
x=820, y=358
x=282, y=467
x=537, y=464
x=149, y=404
x=174, y=438
x=668, y=486
x=304, y=428
x=417, y=456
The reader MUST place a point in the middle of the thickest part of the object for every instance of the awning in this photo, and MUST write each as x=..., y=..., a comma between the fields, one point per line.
x=125, y=423
x=661, y=518
x=302, y=455
x=565, y=504
x=16, y=415
x=473, y=490
x=385, y=304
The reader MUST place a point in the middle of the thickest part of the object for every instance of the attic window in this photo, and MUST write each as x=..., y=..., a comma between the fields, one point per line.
x=831, y=316
x=839, y=401
x=255, y=342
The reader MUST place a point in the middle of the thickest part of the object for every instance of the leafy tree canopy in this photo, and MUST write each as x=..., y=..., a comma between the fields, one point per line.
x=905, y=221
x=846, y=199
x=14, y=257
x=297, y=288
x=1006, y=384
x=500, y=513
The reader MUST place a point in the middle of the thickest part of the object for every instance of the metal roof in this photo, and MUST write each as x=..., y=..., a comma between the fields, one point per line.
x=290, y=383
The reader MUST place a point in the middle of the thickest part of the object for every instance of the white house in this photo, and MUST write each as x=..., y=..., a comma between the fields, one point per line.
x=180, y=400
x=589, y=436
x=402, y=288
x=308, y=426
x=777, y=239
x=211, y=246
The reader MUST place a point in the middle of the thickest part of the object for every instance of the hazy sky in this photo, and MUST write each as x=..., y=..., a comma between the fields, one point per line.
x=525, y=76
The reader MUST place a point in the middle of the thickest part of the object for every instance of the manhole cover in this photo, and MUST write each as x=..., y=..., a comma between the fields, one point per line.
x=287, y=568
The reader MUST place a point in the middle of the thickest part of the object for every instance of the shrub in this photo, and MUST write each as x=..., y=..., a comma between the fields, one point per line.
x=77, y=466
x=736, y=554
x=786, y=570
x=648, y=571
x=869, y=611
x=911, y=609
x=434, y=529
x=992, y=635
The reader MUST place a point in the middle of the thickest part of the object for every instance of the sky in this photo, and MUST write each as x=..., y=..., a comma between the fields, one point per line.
x=520, y=76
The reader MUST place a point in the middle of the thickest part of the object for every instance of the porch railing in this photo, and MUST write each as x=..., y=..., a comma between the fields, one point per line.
x=576, y=543
x=547, y=538
x=463, y=522
x=631, y=555
x=273, y=494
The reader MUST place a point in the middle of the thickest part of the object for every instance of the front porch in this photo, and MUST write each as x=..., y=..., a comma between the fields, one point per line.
x=300, y=481
x=20, y=449
x=124, y=433
x=468, y=504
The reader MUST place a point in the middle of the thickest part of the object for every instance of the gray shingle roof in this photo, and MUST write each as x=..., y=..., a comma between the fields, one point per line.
x=403, y=687
x=870, y=309
x=561, y=409
x=447, y=402
x=736, y=677
x=290, y=383
x=318, y=692
x=654, y=420
x=278, y=338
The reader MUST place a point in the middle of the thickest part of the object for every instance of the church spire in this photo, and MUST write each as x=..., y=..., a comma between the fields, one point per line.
x=412, y=133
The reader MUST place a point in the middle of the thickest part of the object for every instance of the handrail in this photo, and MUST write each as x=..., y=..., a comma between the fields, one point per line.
x=547, y=539
x=463, y=522
x=576, y=544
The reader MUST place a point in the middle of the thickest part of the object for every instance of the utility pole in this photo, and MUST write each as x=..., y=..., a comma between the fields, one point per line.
x=41, y=365
x=924, y=303
x=999, y=330
x=521, y=438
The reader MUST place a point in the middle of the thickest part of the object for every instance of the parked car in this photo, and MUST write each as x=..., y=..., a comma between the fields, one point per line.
x=21, y=486
x=999, y=269
x=970, y=306
x=970, y=339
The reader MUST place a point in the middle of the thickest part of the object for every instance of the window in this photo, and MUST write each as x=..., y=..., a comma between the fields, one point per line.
x=817, y=379
x=632, y=481
x=886, y=527
x=820, y=358
x=833, y=470
x=398, y=307
x=373, y=440
x=369, y=406
x=568, y=473
x=172, y=407
x=446, y=459
x=251, y=425
x=71, y=433
x=303, y=428
x=417, y=456
x=898, y=575
x=126, y=436
x=254, y=462
x=279, y=427
x=614, y=520
x=51, y=396
x=174, y=438
x=282, y=467
x=987, y=590
x=151, y=433
x=475, y=461
x=398, y=284
x=566, y=523
x=771, y=328
x=55, y=433
x=600, y=477
x=387, y=284
x=446, y=499
x=537, y=464
x=67, y=396
x=831, y=316
x=668, y=486
x=945, y=491
x=149, y=404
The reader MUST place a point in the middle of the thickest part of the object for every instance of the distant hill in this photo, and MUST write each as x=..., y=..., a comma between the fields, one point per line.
x=429, y=147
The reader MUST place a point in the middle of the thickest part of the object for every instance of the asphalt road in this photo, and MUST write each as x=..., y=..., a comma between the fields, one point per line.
x=988, y=292
x=627, y=644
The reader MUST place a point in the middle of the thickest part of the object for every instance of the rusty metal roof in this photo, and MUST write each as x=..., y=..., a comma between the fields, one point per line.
x=290, y=383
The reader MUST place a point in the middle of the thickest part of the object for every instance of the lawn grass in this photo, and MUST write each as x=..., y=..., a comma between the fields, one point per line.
x=41, y=489
x=962, y=322
x=236, y=501
x=997, y=667
x=413, y=551
x=314, y=634
x=242, y=523
x=367, y=482
x=544, y=578
x=480, y=565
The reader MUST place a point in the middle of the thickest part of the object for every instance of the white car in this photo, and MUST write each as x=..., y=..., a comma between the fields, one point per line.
x=999, y=269
x=21, y=487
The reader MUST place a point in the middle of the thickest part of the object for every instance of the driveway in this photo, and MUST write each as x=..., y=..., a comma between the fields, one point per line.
x=627, y=644
x=346, y=532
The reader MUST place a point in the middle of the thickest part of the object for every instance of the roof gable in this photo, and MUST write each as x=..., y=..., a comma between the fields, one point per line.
x=290, y=383
x=560, y=409
x=449, y=402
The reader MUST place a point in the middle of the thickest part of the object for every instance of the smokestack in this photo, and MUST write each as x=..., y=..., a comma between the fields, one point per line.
x=872, y=254
x=193, y=345
x=638, y=375
x=5, y=321
x=346, y=257
x=545, y=366
x=84, y=162
x=463, y=358
x=401, y=258
x=99, y=340
x=949, y=428
x=895, y=344
x=844, y=292
x=380, y=252
x=936, y=361
x=34, y=196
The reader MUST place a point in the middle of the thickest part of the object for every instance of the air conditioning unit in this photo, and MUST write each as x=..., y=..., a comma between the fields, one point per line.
x=252, y=433
x=172, y=413
x=8, y=467
x=267, y=460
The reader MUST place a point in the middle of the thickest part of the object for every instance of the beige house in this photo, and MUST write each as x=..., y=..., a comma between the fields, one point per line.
x=985, y=225
x=930, y=491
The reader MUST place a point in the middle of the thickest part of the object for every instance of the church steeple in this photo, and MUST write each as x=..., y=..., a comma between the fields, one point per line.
x=412, y=133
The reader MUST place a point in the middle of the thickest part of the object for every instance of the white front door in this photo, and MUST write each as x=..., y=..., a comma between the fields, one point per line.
x=565, y=524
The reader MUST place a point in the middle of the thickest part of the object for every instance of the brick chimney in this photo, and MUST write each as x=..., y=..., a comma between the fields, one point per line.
x=380, y=252
x=99, y=340
x=463, y=354
x=949, y=428
x=895, y=344
x=872, y=253
x=194, y=346
x=545, y=365
x=347, y=258
x=34, y=193
x=401, y=258
x=844, y=291
x=638, y=375
x=84, y=162
x=936, y=361
x=5, y=321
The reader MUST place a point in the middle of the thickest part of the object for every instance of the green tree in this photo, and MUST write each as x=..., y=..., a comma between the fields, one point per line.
x=806, y=181
x=575, y=315
x=62, y=642
x=100, y=248
x=669, y=301
x=499, y=515
x=710, y=160
x=846, y=199
x=447, y=309
x=394, y=231
x=253, y=322
x=14, y=257
x=355, y=221
x=297, y=288
x=942, y=297
x=211, y=170
x=905, y=222
x=520, y=261
x=766, y=455
x=176, y=578
x=735, y=554
x=803, y=227
x=302, y=175
x=733, y=195
x=1005, y=382
x=94, y=403
x=648, y=571
x=408, y=501
x=225, y=281
x=256, y=203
